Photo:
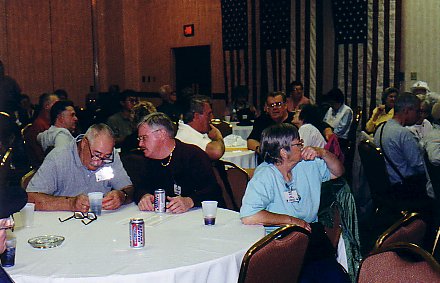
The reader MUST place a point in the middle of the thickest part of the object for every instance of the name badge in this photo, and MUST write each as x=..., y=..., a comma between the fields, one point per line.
x=103, y=174
x=177, y=190
x=292, y=196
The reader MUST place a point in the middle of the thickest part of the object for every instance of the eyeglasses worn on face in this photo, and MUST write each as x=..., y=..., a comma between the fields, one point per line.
x=81, y=215
x=9, y=224
x=275, y=105
x=145, y=137
x=299, y=144
x=132, y=100
x=97, y=157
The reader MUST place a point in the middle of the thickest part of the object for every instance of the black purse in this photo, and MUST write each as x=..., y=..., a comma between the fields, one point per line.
x=411, y=187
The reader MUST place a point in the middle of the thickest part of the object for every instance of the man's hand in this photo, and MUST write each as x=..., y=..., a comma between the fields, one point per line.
x=80, y=203
x=113, y=200
x=214, y=134
x=179, y=204
x=146, y=203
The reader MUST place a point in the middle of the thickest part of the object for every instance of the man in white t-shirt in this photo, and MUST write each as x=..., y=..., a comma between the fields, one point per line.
x=197, y=129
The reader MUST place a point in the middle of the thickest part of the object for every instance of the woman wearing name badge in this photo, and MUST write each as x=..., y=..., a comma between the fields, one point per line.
x=286, y=189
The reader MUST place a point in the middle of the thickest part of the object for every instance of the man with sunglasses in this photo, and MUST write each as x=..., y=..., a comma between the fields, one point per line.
x=88, y=164
x=276, y=113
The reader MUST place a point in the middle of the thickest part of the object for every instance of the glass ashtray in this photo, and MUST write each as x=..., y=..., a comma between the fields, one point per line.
x=46, y=241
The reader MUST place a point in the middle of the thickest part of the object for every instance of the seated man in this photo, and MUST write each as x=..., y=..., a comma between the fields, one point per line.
x=63, y=120
x=184, y=171
x=169, y=104
x=339, y=116
x=276, y=114
x=198, y=130
x=121, y=122
x=431, y=142
x=297, y=98
x=40, y=124
x=398, y=144
x=422, y=127
x=88, y=164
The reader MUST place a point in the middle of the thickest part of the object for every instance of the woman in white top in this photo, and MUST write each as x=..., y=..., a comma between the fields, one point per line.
x=306, y=119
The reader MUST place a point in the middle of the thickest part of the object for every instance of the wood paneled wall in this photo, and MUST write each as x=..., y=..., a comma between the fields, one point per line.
x=48, y=44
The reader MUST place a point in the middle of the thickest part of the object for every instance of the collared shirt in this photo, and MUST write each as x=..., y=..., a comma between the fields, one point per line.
x=188, y=134
x=63, y=174
x=401, y=146
x=54, y=136
x=265, y=191
x=340, y=120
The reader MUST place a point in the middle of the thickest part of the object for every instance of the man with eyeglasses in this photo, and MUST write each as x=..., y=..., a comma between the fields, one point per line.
x=122, y=121
x=88, y=164
x=276, y=113
x=183, y=170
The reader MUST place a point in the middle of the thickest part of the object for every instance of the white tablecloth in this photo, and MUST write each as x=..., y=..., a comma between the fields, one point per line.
x=179, y=248
x=243, y=158
x=242, y=131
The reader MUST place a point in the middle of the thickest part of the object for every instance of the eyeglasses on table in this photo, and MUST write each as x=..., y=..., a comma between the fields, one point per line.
x=80, y=215
x=7, y=223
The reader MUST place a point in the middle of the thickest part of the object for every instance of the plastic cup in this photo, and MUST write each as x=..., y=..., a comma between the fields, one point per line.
x=27, y=214
x=228, y=118
x=209, y=209
x=95, y=200
x=8, y=256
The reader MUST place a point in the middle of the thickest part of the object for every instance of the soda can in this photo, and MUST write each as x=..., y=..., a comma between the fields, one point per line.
x=159, y=201
x=137, y=233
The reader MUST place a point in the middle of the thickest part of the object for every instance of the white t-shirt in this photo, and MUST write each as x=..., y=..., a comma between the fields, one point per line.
x=187, y=134
x=311, y=136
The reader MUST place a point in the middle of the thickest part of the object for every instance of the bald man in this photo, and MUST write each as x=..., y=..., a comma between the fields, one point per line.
x=88, y=164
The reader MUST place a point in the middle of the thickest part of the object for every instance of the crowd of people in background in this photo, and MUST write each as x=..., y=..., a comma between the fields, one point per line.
x=175, y=144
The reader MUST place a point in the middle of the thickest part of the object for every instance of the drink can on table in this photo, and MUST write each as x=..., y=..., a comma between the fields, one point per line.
x=137, y=233
x=159, y=200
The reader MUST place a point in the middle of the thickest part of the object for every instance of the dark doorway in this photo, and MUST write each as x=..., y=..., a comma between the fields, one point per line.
x=193, y=69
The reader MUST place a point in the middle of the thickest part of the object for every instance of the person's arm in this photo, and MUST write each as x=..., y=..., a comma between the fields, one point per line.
x=253, y=145
x=334, y=165
x=216, y=148
x=344, y=124
x=372, y=123
x=264, y=217
x=47, y=202
x=115, y=198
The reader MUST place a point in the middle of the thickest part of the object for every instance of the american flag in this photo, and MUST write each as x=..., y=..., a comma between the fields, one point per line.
x=367, y=45
x=269, y=43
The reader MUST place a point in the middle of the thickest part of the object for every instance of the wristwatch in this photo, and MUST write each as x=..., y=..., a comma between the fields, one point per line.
x=125, y=195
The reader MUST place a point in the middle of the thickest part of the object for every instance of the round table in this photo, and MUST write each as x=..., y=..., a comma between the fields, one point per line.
x=242, y=131
x=242, y=157
x=179, y=248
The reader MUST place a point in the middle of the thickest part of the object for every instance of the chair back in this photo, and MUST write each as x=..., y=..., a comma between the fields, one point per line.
x=24, y=182
x=5, y=166
x=375, y=170
x=278, y=257
x=411, y=228
x=238, y=179
x=399, y=262
x=224, y=127
x=221, y=177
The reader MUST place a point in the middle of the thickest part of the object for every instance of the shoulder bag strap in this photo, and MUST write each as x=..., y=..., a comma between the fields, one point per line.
x=386, y=157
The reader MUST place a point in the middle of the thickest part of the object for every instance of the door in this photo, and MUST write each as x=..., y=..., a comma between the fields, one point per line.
x=193, y=69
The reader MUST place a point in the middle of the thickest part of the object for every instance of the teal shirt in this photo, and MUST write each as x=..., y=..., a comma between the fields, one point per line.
x=265, y=191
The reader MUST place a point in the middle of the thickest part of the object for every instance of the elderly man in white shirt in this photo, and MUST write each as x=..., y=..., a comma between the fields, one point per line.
x=197, y=129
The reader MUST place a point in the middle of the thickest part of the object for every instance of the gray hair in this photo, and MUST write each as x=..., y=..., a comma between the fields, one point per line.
x=275, y=138
x=195, y=105
x=406, y=100
x=159, y=120
x=96, y=130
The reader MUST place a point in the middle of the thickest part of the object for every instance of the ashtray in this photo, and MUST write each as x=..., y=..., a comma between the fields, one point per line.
x=46, y=241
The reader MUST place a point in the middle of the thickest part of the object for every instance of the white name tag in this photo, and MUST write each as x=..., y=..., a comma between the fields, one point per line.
x=105, y=173
x=292, y=196
x=177, y=190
